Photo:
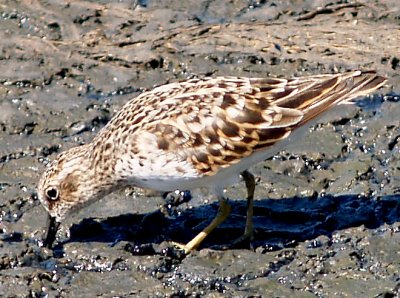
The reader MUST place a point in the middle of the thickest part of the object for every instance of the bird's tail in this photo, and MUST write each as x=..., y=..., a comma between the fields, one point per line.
x=314, y=95
x=322, y=92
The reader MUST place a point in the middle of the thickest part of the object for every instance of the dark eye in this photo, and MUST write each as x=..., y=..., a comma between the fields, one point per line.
x=52, y=193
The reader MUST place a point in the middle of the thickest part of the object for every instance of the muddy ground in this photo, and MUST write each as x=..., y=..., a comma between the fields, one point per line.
x=327, y=210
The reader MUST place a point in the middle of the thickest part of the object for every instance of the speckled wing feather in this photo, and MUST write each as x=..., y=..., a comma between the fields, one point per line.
x=213, y=123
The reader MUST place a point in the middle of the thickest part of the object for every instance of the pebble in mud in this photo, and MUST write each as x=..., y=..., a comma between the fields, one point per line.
x=63, y=79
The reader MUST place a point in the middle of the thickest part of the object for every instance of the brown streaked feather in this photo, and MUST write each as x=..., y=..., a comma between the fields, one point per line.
x=347, y=88
x=215, y=122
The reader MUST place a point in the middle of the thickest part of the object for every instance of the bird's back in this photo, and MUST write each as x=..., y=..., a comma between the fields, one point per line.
x=203, y=127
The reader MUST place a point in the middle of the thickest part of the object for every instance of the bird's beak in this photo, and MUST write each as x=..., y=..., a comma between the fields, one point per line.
x=52, y=227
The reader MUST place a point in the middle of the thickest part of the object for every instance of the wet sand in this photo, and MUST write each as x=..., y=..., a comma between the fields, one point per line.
x=327, y=209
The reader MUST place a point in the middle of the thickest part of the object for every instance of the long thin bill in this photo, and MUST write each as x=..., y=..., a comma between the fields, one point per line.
x=52, y=228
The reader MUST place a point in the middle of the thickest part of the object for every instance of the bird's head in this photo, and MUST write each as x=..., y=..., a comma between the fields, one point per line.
x=69, y=183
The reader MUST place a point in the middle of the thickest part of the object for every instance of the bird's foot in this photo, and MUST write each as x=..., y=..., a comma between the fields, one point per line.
x=183, y=247
x=243, y=242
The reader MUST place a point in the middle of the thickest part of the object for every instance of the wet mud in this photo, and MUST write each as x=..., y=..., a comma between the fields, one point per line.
x=327, y=209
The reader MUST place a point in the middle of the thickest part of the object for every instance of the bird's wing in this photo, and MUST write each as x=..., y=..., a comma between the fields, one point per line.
x=213, y=123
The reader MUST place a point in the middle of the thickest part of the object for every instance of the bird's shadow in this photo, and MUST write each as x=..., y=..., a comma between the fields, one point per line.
x=278, y=223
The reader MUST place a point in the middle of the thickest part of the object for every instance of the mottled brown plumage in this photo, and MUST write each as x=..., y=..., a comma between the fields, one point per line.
x=196, y=133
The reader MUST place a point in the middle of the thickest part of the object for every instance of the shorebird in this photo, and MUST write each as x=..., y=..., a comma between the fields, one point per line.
x=195, y=133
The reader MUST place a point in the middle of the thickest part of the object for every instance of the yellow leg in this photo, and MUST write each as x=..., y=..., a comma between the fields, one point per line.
x=223, y=213
x=249, y=229
x=250, y=185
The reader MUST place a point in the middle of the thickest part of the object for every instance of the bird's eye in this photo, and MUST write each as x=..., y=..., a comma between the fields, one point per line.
x=52, y=193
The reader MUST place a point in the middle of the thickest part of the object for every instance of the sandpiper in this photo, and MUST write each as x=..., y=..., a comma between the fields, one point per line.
x=195, y=133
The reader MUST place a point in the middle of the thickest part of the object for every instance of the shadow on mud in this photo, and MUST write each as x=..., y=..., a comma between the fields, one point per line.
x=278, y=223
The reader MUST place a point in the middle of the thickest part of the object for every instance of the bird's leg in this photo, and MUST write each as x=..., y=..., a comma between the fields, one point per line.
x=249, y=229
x=250, y=186
x=223, y=213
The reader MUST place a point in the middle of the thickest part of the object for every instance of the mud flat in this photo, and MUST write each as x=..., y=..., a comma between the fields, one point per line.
x=327, y=210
